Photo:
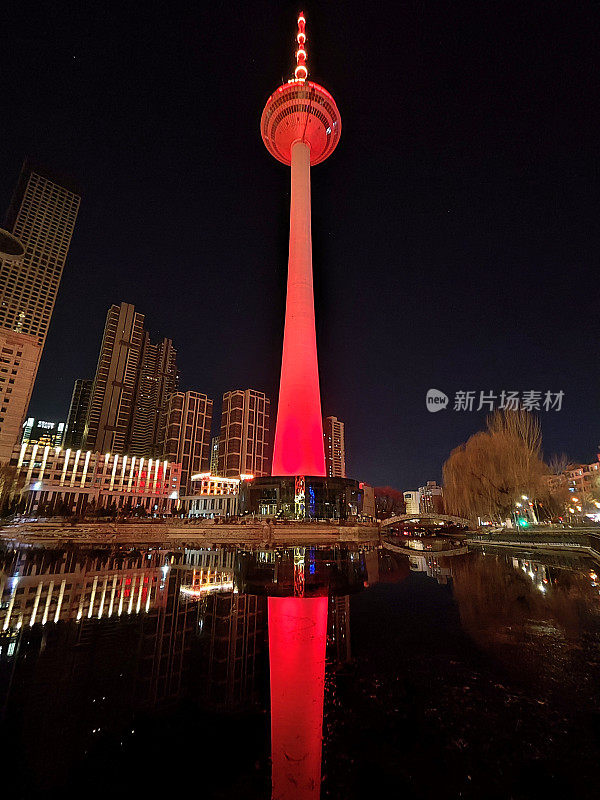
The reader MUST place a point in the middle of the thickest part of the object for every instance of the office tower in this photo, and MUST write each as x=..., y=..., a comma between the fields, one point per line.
x=19, y=359
x=157, y=380
x=110, y=413
x=335, y=447
x=40, y=431
x=33, y=251
x=187, y=434
x=42, y=216
x=78, y=411
x=301, y=127
x=214, y=455
x=431, y=499
x=244, y=439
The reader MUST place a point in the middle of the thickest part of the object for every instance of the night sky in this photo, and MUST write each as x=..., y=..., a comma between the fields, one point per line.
x=455, y=229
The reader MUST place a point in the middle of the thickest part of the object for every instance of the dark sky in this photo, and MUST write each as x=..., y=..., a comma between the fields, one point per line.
x=456, y=228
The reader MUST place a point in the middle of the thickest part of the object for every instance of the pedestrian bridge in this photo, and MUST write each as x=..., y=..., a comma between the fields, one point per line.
x=424, y=517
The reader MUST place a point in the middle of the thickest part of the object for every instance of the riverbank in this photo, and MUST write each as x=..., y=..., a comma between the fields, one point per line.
x=582, y=540
x=180, y=532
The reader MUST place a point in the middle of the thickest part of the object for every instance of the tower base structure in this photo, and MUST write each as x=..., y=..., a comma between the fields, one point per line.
x=301, y=497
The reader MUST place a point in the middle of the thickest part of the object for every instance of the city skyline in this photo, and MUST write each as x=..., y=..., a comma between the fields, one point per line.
x=477, y=202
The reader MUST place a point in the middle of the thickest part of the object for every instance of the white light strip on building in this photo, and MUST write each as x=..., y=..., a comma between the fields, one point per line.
x=65, y=465
x=44, y=459
x=131, y=591
x=85, y=467
x=112, y=596
x=123, y=468
x=120, y=611
x=114, y=472
x=104, y=585
x=21, y=455
x=92, y=596
x=36, y=603
x=156, y=473
x=61, y=594
x=130, y=481
x=31, y=463
x=74, y=475
x=48, y=601
x=10, y=607
x=139, y=600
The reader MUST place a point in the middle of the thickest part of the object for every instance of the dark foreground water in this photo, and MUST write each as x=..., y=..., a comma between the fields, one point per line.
x=148, y=671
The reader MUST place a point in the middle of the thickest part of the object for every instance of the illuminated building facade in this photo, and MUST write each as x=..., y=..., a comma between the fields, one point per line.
x=19, y=359
x=78, y=411
x=156, y=382
x=431, y=498
x=76, y=481
x=134, y=379
x=39, y=431
x=211, y=496
x=113, y=394
x=33, y=251
x=214, y=455
x=335, y=447
x=187, y=434
x=42, y=216
x=244, y=439
x=412, y=501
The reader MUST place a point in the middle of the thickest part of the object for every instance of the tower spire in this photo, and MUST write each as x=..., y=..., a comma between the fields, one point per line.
x=301, y=71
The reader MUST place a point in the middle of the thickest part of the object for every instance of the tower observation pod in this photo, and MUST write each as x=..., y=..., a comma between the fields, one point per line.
x=300, y=127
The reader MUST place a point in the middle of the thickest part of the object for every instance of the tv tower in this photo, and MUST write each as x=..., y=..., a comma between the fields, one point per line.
x=300, y=126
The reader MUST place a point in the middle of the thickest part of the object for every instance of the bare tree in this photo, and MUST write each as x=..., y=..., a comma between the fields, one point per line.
x=557, y=464
x=487, y=475
x=388, y=501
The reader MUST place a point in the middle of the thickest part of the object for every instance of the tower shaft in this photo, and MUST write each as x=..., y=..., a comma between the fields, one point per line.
x=298, y=447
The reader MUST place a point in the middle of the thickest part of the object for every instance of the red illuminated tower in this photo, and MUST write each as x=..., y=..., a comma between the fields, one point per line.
x=300, y=127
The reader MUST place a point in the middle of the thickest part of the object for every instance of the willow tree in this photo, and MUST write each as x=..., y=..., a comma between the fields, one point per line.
x=486, y=476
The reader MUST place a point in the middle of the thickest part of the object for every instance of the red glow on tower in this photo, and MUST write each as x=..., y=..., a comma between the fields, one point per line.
x=300, y=126
x=297, y=639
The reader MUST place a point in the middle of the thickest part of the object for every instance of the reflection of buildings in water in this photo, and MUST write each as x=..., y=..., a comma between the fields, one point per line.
x=308, y=571
x=338, y=630
x=49, y=586
x=208, y=570
x=109, y=654
x=431, y=567
x=233, y=648
x=86, y=678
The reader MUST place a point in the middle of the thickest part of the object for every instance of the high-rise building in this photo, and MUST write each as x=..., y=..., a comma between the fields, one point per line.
x=187, y=434
x=335, y=447
x=214, y=455
x=42, y=216
x=78, y=411
x=19, y=359
x=108, y=424
x=41, y=431
x=244, y=438
x=157, y=380
x=33, y=251
x=300, y=127
x=431, y=498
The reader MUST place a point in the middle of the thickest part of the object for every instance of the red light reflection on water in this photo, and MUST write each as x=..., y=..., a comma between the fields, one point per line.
x=297, y=639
